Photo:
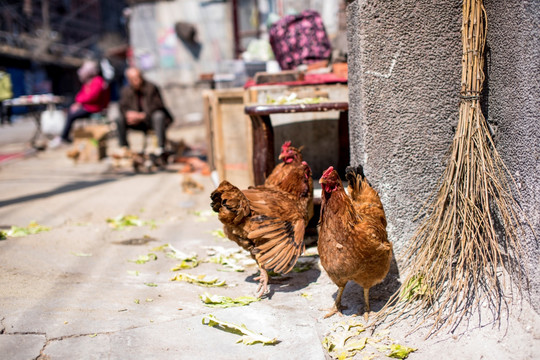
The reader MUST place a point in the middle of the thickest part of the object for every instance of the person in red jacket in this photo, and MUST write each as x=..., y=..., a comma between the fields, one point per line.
x=93, y=97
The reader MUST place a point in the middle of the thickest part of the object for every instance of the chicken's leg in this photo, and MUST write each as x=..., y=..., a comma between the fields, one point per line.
x=337, y=305
x=366, y=301
x=263, y=283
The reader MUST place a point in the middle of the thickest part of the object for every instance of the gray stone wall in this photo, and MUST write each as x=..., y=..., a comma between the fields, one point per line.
x=404, y=77
x=513, y=107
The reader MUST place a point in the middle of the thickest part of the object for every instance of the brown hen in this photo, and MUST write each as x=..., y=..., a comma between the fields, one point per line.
x=353, y=243
x=267, y=222
x=289, y=173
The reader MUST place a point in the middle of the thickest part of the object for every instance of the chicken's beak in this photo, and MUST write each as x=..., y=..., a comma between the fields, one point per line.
x=322, y=181
x=281, y=156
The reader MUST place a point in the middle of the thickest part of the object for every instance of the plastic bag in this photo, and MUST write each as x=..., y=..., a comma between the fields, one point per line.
x=52, y=121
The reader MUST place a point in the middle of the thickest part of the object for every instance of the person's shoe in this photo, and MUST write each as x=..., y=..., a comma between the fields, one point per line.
x=57, y=142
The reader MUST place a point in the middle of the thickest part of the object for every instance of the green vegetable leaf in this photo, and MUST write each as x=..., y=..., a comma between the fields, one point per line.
x=189, y=261
x=3, y=235
x=399, y=351
x=143, y=259
x=248, y=337
x=32, y=228
x=232, y=259
x=219, y=233
x=415, y=288
x=122, y=221
x=225, y=301
x=81, y=254
x=199, y=280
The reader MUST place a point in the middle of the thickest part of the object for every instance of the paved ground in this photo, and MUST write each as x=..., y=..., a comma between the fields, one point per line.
x=57, y=304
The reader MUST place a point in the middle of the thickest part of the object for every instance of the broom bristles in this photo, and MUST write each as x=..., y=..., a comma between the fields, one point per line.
x=455, y=258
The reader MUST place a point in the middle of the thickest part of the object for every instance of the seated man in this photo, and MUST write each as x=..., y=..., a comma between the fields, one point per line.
x=142, y=108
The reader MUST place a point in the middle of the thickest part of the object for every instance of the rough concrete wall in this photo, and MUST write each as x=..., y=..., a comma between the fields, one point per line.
x=404, y=76
x=513, y=106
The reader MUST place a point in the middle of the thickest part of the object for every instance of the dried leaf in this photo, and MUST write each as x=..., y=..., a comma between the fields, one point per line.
x=32, y=228
x=399, y=351
x=248, y=337
x=143, y=259
x=199, y=280
x=225, y=301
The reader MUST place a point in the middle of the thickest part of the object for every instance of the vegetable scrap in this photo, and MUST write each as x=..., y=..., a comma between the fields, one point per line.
x=143, y=259
x=188, y=261
x=292, y=99
x=199, y=280
x=137, y=301
x=93, y=335
x=399, y=351
x=122, y=221
x=3, y=235
x=248, y=337
x=225, y=301
x=133, y=272
x=219, y=233
x=31, y=229
x=307, y=295
x=81, y=254
x=203, y=215
x=344, y=342
x=414, y=288
x=151, y=284
x=233, y=259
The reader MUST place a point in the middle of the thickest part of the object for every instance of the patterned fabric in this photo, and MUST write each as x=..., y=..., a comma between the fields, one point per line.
x=299, y=39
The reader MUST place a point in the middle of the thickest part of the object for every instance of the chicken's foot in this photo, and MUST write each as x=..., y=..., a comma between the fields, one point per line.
x=366, y=301
x=336, y=309
x=263, y=283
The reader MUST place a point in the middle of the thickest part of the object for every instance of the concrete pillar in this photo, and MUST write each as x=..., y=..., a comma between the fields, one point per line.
x=404, y=82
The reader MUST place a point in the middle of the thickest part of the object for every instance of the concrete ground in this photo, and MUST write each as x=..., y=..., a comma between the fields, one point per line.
x=72, y=293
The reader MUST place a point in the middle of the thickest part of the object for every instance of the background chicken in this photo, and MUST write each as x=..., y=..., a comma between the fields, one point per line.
x=353, y=243
x=267, y=222
x=287, y=175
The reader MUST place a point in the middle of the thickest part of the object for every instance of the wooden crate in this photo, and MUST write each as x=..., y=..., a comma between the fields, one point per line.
x=228, y=136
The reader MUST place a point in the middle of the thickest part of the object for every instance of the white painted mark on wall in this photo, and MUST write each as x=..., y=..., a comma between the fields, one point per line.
x=390, y=70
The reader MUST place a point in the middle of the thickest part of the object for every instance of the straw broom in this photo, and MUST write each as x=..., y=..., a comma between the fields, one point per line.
x=459, y=254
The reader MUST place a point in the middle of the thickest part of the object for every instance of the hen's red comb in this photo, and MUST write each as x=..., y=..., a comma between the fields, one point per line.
x=328, y=171
x=286, y=145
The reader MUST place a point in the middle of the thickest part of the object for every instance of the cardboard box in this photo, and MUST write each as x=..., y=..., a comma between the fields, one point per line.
x=89, y=144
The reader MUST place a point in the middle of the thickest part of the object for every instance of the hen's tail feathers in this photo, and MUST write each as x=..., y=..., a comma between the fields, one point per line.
x=230, y=203
x=355, y=176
